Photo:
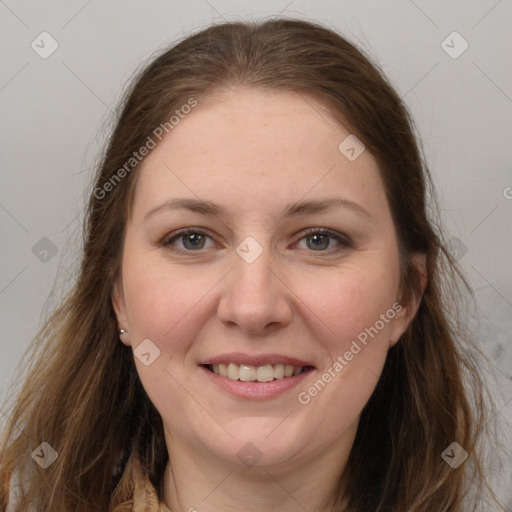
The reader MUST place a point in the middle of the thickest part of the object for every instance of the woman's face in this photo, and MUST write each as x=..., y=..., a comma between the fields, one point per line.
x=251, y=288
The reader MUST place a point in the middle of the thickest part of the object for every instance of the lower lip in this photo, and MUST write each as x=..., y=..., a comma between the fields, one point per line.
x=256, y=390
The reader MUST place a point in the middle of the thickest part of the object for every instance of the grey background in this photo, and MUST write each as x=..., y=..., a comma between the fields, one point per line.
x=56, y=112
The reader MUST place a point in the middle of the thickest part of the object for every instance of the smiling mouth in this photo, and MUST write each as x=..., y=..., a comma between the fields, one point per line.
x=250, y=373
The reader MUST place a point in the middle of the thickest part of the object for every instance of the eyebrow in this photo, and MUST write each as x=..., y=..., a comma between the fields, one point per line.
x=295, y=209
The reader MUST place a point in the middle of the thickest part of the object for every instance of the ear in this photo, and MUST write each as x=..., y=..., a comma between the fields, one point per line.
x=405, y=314
x=119, y=306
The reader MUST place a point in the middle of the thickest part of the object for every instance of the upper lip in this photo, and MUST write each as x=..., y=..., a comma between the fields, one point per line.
x=255, y=359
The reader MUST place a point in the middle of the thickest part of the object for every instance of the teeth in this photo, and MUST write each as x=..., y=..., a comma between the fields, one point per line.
x=233, y=371
x=265, y=373
x=278, y=371
x=249, y=373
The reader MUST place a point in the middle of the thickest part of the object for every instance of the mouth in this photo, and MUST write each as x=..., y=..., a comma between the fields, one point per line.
x=261, y=373
x=255, y=376
x=242, y=381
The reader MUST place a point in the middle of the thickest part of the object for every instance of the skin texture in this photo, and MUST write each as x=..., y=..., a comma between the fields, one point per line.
x=255, y=152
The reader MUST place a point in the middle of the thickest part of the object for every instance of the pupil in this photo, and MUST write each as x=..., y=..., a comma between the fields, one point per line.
x=194, y=238
x=323, y=245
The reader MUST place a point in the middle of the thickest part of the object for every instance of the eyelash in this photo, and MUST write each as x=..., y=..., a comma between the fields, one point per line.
x=344, y=241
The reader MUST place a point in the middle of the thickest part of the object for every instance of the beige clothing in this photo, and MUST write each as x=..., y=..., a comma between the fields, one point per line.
x=145, y=498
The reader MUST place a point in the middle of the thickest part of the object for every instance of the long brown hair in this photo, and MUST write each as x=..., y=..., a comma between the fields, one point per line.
x=82, y=394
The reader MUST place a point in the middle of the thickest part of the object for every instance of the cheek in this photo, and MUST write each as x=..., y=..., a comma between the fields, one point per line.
x=347, y=303
x=354, y=316
x=161, y=299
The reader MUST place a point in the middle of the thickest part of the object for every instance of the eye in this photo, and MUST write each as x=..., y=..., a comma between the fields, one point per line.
x=192, y=240
x=319, y=239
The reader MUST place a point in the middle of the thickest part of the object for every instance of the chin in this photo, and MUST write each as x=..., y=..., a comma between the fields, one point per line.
x=261, y=442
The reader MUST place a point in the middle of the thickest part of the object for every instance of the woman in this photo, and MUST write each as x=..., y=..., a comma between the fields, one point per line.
x=262, y=318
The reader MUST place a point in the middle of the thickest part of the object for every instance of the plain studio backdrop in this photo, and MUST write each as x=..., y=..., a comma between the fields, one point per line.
x=65, y=64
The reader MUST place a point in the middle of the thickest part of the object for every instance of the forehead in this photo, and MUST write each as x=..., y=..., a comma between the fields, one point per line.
x=248, y=120
x=253, y=145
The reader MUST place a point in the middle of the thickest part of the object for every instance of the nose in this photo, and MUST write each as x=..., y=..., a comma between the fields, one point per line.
x=255, y=297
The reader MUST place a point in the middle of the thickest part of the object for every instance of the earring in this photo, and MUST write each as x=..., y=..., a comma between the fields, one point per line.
x=122, y=331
